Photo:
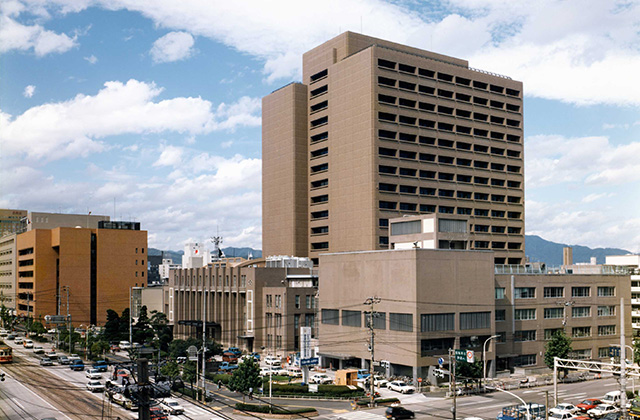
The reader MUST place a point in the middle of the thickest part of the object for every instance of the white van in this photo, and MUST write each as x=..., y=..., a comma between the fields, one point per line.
x=612, y=398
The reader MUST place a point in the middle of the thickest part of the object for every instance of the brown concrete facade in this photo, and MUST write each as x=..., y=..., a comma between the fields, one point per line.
x=98, y=266
x=248, y=305
x=435, y=300
x=394, y=130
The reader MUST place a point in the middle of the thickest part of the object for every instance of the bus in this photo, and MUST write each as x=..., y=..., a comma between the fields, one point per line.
x=6, y=355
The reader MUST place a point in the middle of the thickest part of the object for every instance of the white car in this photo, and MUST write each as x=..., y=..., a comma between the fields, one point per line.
x=561, y=415
x=320, y=378
x=18, y=340
x=4, y=333
x=380, y=381
x=564, y=407
x=95, y=386
x=28, y=344
x=402, y=387
x=272, y=361
x=38, y=350
x=93, y=374
x=601, y=410
x=172, y=406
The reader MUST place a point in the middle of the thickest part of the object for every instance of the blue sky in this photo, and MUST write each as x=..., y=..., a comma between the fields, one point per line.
x=156, y=104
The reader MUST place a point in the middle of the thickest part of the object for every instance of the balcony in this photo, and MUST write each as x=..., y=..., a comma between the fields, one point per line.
x=635, y=325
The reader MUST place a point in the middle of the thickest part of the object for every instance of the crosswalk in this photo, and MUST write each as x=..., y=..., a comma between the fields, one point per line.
x=358, y=415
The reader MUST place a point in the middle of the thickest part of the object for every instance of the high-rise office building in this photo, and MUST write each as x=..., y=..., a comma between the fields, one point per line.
x=379, y=130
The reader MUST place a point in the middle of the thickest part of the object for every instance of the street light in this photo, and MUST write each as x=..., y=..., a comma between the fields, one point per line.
x=484, y=358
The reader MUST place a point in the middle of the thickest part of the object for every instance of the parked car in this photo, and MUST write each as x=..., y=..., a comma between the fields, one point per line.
x=172, y=406
x=562, y=407
x=125, y=345
x=95, y=386
x=612, y=398
x=402, y=387
x=320, y=378
x=380, y=381
x=18, y=340
x=38, y=350
x=561, y=415
x=63, y=360
x=588, y=404
x=11, y=336
x=399, y=413
x=4, y=333
x=294, y=372
x=28, y=344
x=273, y=361
x=602, y=410
x=45, y=361
x=93, y=374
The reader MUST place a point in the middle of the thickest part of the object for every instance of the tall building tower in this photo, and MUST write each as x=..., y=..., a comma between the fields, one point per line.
x=379, y=130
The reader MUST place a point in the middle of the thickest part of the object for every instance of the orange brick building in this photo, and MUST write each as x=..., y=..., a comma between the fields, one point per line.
x=95, y=268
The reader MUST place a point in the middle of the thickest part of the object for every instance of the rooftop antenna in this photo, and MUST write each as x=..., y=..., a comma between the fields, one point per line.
x=217, y=241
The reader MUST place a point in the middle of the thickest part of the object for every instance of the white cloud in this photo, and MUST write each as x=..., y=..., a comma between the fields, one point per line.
x=174, y=46
x=76, y=127
x=29, y=91
x=92, y=59
x=16, y=36
x=554, y=159
x=170, y=156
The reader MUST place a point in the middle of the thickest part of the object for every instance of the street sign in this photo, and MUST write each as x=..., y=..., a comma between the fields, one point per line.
x=305, y=342
x=614, y=351
x=56, y=319
x=463, y=355
x=440, y=361
x=192, y=351
x=438, y=373
x=309, y=362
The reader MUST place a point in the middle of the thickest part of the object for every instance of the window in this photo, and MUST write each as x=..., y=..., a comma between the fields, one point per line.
x=578, y=332
x=554, y=292
x=528, y=335
x=524, y=360
x=307, y=299
x=296, y=322
x=553, y=313
x=269, y=301
x=501, y=315
x=525, y=292
x=606, y=291
x=331, y=316
x=606, y=330
x=524, y=314
x=278, y=319
x=580, y=292
x=436, y=344
x=379, y=320
x=351, y=318
x=580, y=354
x=278, y=301
x=606, y=310
x=499, y=290
x=475, y=320
x=309, y=320
x=437, y=322
x=297, y=301
x=406, y=228
x=400, y=322
x=550, y=332
x=581, y=312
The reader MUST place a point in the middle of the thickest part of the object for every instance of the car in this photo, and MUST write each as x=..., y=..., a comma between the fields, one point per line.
x=28, y=344
x=398, y=412
x=93, y=374
x=588, y=404
x=380, y=381
x=11, y=336
x=172, y=406
x=612, y=398
x=156, y=413
x=18, y=340
x=74, y=356
x=402, y=387
x=561, y=415
x=63, y=360
x=612, y=416
x=562, y=407
x=120, y=399
x=95, y=386
x=602, y=410
x=4, y=333
x=45, y=361
x=51, y=354
x=273, y=361
x=363, y=373
x=76, y=364
x=320, y=378
x=294, y=372
x=101, y=365
x=124, y=345
x=38, y=350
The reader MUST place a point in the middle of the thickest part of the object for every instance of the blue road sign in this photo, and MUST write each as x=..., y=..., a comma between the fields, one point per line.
x=440, y=361
x=309, y=362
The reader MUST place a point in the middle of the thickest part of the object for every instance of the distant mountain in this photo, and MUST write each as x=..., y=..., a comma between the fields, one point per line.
x=230, y=251
x=541, y=250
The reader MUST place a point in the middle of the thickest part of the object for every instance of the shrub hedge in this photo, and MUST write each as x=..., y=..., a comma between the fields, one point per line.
x=323, y=390
x=378, y=401
x=254, y=408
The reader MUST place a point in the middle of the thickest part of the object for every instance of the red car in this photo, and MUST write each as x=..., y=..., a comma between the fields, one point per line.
x=157, y=414
x=588, y=404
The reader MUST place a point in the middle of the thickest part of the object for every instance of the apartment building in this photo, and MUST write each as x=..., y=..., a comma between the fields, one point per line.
x=247, y=304
x=87, y=270
x=433, y=300
x=631, y=262
x=378, y=130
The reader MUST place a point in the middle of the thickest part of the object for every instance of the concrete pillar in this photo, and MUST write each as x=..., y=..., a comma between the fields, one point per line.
x=416, y=374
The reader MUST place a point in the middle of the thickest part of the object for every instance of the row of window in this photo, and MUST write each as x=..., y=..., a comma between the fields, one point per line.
x=401, y=102
x=275, y=321
x=384, y=224
x=443, y=159
x=431, y=208
x=388, y=117
x=390, y=135
x=556, y=292
x=437, y=175
x=444, y=77
x=527, y=314
x=273, y=301
x=447, y=193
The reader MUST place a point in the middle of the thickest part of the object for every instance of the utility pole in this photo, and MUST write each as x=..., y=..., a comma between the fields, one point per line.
x=143, y=385
x=66, y=288
x=623, y=363
x=452, y=381
x=372, y=301
x=28, y=312
x=204, y=342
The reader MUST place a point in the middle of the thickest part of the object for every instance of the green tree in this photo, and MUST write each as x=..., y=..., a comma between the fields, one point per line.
x=111, y=331
x=246, y=377
x=123, y=328
x=179, y=348
x=558, y=346
x=6, y=317
x=164, y=333
x=142, y=331
x=99, y=347
x=636, y=350
x=37, y=328
x=171, y=370
x=189, y=372
x=468, y=372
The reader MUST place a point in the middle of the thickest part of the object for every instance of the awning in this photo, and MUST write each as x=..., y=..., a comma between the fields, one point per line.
x=339, y=356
